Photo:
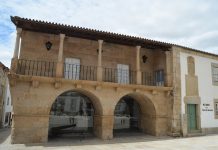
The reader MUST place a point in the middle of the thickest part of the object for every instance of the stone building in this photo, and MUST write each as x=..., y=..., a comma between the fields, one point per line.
x=5, y=97
x=71, y=79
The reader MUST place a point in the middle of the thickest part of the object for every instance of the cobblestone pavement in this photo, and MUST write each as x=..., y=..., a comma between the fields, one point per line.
x=135, y=142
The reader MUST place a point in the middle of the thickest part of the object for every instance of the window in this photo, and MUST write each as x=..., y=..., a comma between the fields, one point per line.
x=159, y=77
x=7, y=117
x=8, y=101
x=215, y=74
x=72, y=68
x=123, y=73
x=216, y=108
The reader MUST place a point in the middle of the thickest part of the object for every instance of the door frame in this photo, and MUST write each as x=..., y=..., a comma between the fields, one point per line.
x=190, y=106
x=73, y=75
x=192, y=100
x=121, y=77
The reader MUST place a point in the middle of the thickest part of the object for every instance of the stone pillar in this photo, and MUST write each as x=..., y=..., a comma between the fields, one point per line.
x=25, y=129
x=17, y=44
x=14, y=60
x=138, y=69
x=103, y=126
x=169, y=73
x=176, y=103
x=99, y=67
x=60, y=63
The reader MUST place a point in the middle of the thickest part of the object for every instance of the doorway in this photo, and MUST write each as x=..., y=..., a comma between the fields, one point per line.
x=192, y=117
x=72, y=68
x=123, y=73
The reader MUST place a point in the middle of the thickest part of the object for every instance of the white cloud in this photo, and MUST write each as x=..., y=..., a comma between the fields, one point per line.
x=190, y=23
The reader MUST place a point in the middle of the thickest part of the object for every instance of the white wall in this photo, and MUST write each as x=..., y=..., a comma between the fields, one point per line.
x=6, y=107
x=207, y=91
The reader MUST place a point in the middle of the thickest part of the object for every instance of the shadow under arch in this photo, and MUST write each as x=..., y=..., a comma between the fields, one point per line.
x=147, y=110
x=73, y=111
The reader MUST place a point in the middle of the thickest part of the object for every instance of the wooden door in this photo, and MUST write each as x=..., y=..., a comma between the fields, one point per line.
x=192, y=117
x=123, y=73
x=72, y=68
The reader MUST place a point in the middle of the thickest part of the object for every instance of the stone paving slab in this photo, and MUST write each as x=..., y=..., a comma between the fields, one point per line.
x=138, y=142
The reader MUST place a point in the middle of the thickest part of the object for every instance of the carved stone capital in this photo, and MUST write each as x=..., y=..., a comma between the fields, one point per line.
x=78, y=86
x=154, y=92
x=35, y=84
x=57, y=84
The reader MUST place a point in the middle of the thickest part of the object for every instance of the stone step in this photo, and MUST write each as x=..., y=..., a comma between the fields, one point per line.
x=195, y=134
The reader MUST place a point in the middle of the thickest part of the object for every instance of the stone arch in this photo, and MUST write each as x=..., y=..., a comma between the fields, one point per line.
x=147, y=112
x=94, y=99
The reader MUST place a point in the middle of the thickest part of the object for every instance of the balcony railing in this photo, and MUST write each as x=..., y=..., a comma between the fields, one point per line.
x=80, y=72
x=155, y=78
x=36, y=68
x=119, y=76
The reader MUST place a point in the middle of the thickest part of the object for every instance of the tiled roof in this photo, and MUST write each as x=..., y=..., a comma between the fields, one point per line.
x=86, y=33
x=74, y=31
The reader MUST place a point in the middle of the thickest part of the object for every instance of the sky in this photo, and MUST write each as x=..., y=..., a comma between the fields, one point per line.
x=191, y=23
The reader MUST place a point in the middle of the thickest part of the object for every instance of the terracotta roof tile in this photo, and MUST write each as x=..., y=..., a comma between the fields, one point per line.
x=93, y=34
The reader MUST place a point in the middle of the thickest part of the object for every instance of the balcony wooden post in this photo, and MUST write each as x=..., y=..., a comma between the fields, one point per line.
x=138, y=68
x=60, y=63
x=14, y=60
x=99, y=67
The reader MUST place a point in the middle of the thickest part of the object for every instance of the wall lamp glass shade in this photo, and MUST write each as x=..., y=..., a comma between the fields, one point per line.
x=48, y=45
x=144, y=58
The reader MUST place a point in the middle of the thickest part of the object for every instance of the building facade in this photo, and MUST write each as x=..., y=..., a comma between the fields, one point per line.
x=69, y=79
x=199, y=77
x=5, y=97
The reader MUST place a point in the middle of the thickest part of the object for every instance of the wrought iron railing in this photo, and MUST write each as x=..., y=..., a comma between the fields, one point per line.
x=119, y=76
x=148, y=78
x=155, y=78
x=36, y=68
x=80, y=72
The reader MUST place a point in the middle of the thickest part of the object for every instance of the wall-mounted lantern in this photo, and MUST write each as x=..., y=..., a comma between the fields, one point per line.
x=144, y=59
x=48, y=45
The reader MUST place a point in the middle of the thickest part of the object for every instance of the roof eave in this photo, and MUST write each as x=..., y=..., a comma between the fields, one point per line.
x=73, y=31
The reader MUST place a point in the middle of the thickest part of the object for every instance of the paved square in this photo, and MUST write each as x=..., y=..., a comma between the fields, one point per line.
x=122, y=143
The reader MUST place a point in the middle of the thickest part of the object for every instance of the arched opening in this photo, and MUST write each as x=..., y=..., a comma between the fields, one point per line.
x=126, y=116
x=134, y=114
x=71, y=116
